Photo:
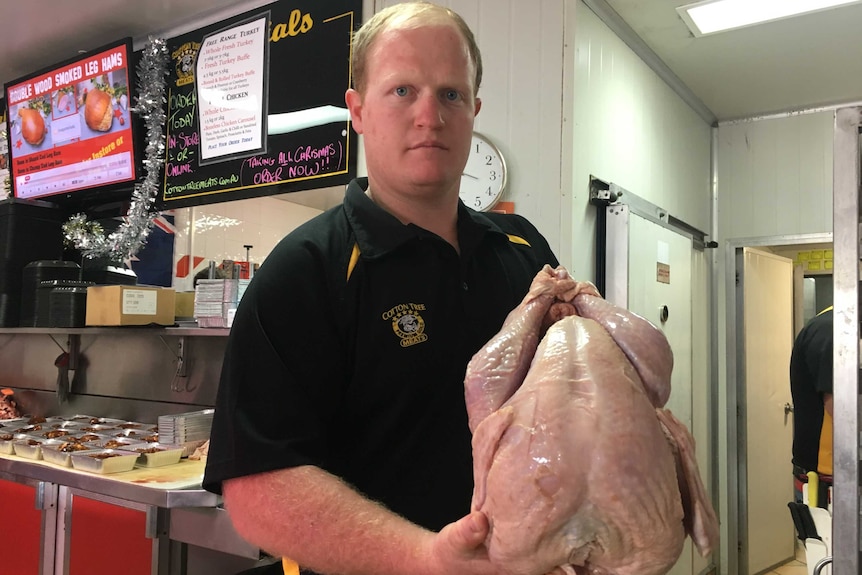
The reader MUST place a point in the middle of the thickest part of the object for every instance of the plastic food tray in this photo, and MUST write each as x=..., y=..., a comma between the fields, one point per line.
x=104, y=460
x=125, y=443
x=133, y=425
x=7, y=446
x=166, y=454
x=63, y=424
x=81, y=418
x=99, y=428
x=31, y=447
x=29, y=429
x=113, y=422
x=51, y=433
x=89, y=437
x=54, y=454
x=140, y=435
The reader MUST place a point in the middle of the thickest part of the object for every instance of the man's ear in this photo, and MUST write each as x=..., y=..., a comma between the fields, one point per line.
x=353, y=99
x=478, y=106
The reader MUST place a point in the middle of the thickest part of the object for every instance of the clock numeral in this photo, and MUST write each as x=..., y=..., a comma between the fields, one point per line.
x=492, y=175
x=489, y=192
x=477, y=203
x=488, y=159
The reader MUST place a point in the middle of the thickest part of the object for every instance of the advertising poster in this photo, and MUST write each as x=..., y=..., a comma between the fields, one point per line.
x=5, y=184
x=71, y=128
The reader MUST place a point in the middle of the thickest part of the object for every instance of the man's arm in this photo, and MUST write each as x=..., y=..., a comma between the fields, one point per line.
x=317, y=520
x=827, y=403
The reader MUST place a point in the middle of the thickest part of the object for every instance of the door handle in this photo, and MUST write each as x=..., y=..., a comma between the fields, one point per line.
x=788, y=408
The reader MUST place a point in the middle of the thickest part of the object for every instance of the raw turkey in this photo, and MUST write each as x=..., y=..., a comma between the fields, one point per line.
x=576, y=464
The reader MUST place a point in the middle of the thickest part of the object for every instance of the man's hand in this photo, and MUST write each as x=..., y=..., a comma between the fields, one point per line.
x=460, y=548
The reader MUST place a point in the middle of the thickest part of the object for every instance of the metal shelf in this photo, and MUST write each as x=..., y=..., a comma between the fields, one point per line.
x=137, y=330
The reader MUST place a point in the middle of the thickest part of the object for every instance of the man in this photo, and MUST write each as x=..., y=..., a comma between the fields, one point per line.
x=811, y=388
x=340, y=437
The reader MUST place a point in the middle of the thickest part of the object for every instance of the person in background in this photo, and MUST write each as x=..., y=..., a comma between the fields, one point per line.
x=811, y=389
x=340, y=436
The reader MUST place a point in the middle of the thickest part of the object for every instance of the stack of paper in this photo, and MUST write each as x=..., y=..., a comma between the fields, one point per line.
x=214, y=300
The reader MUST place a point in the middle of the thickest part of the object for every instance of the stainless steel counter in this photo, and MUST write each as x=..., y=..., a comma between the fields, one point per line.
x=167, y=487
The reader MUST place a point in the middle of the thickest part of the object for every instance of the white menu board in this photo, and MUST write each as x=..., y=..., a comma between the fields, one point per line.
x=231, y=80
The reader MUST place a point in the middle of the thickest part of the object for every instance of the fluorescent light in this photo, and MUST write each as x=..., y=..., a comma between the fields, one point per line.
x=711, y=16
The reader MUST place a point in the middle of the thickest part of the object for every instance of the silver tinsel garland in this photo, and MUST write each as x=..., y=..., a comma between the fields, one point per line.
x=131, y=236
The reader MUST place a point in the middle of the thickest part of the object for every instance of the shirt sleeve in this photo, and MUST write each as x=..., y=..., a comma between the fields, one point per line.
x=282, y=372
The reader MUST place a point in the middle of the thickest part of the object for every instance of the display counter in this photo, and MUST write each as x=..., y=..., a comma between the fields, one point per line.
x=177, y=510
x=131, y=373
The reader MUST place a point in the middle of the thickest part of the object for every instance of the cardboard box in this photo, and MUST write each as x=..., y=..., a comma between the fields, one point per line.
x=130, y=305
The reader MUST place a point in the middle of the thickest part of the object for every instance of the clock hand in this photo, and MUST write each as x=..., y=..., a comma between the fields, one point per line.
x=470, y=176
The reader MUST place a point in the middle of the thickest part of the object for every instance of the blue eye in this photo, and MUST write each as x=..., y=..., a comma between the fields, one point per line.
x=452, y=95
x=401, y=91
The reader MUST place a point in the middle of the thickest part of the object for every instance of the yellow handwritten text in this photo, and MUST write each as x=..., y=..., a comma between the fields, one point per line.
x=299, y=23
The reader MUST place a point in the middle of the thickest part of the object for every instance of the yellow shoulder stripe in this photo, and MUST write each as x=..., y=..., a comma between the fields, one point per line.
x=518, y=240
x=354, y=257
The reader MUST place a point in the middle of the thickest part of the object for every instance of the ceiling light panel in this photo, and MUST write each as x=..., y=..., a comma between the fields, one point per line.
x=711, y=16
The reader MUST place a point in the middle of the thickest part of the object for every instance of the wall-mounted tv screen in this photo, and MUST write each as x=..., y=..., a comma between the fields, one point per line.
x=70, y=127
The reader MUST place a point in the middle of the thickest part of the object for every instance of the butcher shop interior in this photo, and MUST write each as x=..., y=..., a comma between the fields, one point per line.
x=700, y=185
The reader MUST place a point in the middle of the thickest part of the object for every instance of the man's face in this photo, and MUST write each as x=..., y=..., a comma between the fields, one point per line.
x=417, y=110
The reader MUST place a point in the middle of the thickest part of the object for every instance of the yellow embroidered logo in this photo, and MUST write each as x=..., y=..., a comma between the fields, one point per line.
x=407, y=323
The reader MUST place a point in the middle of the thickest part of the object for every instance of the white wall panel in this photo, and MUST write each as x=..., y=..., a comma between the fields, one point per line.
x=630, y=128
x=775, y=176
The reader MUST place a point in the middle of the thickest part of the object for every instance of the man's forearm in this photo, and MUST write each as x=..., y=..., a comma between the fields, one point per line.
x=316, y=519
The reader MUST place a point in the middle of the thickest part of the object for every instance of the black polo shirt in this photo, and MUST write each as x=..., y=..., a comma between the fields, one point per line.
x=810, y=379
x=349, y=348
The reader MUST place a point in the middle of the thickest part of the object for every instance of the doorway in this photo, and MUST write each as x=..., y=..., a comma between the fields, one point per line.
x=766, y=306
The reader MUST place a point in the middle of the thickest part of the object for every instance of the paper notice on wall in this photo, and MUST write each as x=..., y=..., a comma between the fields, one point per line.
x=231, y=74
x=662, y=273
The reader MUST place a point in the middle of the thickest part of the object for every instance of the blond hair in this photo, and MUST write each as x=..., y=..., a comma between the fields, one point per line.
x=407, y=15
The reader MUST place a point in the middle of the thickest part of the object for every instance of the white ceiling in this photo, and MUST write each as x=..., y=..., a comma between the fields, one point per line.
x=794, y=64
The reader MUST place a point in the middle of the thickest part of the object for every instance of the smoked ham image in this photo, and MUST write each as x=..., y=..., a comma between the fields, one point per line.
x=576, y=464
x=98, y=111
x=33, y=127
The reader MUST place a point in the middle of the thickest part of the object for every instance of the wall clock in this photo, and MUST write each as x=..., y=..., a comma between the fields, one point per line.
x=484, y=177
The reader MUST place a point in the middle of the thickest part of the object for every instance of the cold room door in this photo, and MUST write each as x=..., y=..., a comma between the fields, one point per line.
x=651, y=271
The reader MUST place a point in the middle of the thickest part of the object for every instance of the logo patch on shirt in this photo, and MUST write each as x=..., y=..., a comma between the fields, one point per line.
x=407, y=323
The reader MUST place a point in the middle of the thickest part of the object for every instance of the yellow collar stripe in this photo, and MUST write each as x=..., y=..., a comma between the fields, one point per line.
x=518, y=240
x=354, y=257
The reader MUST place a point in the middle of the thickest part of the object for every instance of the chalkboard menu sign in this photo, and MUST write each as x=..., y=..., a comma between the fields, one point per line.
x=256, y=104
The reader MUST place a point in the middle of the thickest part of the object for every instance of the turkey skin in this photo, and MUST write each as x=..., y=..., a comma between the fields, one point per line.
x=576, y=465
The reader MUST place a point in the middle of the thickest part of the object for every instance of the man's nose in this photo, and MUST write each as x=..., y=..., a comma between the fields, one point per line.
x=429, y=112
